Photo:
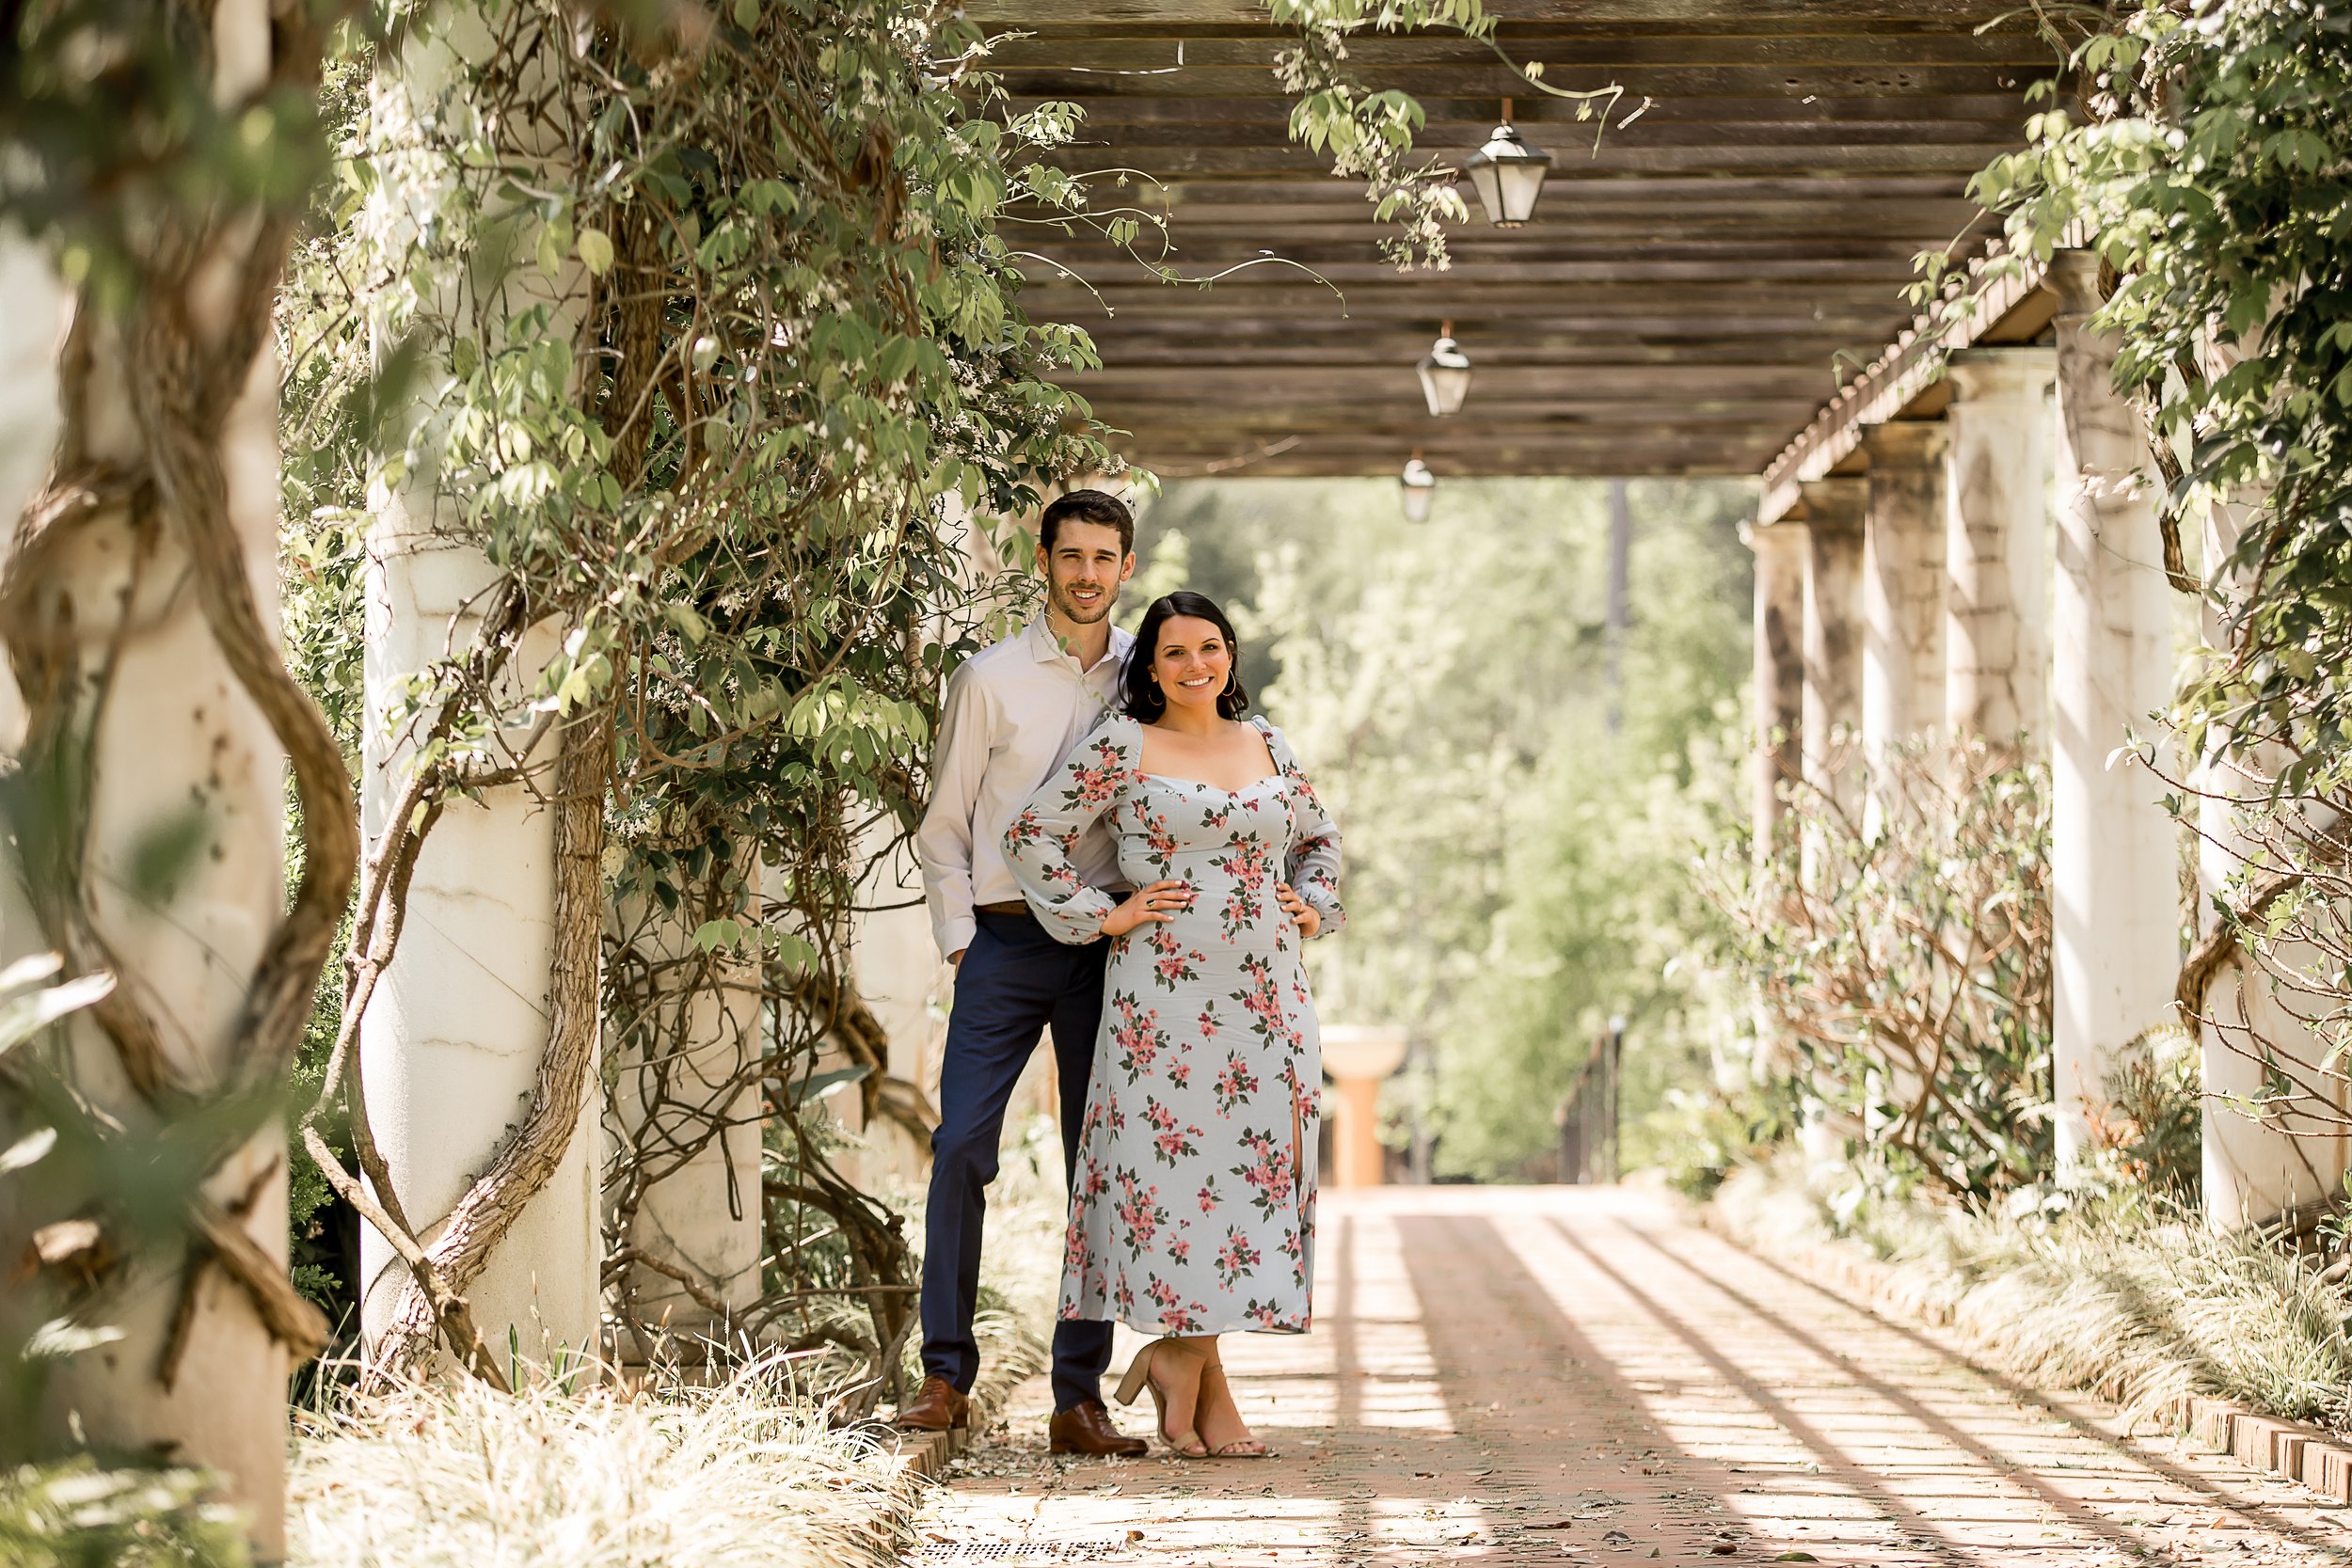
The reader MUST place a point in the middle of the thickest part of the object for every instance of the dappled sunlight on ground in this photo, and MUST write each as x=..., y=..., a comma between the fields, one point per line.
x=1546, y=1375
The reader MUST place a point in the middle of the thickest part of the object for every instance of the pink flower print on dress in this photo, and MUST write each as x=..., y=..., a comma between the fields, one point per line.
x=1092, y=783
x=1173, y=964
x=1171, y=1140
x=1263, y=1000
x=1159, y=839
x=1245, y=866
x=1236, y=1258
x=1139, y=1210
x=1176, y=1317
x=1235, y=1085
x=1136, y=1030
x=1025, y=831
x=1267, y=1171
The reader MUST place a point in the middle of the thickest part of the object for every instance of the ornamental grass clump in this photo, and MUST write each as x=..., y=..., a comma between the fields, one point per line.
x=2120, y=1294
x=457, y=1475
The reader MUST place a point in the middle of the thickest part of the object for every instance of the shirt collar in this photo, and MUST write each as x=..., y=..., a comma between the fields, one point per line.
x=1046, y=648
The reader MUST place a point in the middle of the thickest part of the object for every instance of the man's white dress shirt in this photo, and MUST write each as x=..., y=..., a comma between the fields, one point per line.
x=1014, y=713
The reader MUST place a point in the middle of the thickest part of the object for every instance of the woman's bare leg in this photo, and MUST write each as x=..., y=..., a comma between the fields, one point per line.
x=1216, y=1417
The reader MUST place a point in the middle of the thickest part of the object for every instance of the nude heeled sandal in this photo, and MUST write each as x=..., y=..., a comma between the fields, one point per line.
x=1240, y=1448
x=1183, y=1445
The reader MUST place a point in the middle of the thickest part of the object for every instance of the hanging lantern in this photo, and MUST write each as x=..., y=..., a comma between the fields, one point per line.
x=1418, y=488
x=1445, y=374
x=1508, y=174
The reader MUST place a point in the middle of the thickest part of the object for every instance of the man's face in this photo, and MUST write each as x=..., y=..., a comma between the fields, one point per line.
x=1083, y=571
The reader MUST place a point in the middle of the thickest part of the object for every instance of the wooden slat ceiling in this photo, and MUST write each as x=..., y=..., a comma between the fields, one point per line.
x=1685, y=300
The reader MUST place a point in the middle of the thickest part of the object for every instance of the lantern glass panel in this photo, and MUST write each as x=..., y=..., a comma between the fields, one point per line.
x=1483, y=180
x=1445, y=377
x=1522, y=182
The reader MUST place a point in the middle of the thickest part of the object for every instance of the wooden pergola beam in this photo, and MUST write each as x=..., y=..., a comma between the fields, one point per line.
x=1680, y=304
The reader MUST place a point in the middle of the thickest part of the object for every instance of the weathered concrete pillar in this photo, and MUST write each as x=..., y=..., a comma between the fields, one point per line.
x=2114, y=861
x=905, y=982
x=1779, y=680
x=455, y=1037
x=2254, y=1012
x=685, y=1046
x=1833, y=635
x=1903, y=591
x=167, y=749
x=1996, y=636
x=451, y=1046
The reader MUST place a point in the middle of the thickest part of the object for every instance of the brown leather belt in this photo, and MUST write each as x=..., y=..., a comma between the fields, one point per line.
x=1016, y=906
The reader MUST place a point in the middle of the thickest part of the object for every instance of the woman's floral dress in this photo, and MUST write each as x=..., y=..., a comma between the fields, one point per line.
x=1193, y=1206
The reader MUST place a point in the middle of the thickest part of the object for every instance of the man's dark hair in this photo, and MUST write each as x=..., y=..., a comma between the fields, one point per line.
x=1140, y=695
x=1098, y=507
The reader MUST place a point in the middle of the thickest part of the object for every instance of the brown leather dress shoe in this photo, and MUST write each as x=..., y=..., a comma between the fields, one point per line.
x=939, y=1406
x=1087, y=1429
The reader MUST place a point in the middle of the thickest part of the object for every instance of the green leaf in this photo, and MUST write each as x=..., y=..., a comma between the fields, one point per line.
x=817, y=1085
x=596, y=251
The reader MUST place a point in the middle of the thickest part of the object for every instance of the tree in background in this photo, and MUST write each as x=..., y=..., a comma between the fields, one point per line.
x=1517, y=872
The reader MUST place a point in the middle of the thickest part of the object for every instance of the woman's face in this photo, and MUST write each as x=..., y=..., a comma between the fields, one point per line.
x=1191, y=662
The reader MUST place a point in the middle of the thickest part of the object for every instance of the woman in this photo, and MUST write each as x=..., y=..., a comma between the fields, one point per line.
x=1193, y=1213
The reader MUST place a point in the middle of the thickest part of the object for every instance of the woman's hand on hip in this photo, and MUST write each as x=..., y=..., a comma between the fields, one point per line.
x=1309, y=918
x=1157, y=904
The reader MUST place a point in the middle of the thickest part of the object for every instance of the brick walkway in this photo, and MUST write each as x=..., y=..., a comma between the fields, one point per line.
x=1508, y=1376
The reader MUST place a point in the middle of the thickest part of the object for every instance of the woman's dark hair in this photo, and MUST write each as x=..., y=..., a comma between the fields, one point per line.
x=1139, y=694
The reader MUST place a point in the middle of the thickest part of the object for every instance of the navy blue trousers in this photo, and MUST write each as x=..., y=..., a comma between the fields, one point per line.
x=1014, y=981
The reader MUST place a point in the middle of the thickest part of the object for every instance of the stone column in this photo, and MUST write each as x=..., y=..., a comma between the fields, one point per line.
x=455, y=1036
x=179, y=789
x=1779, y=681
x=451, y=1046
x=1358, y=1057
x=2254, y=1173
x=1902, y=591
x=2114, y=858
x=1833, y=635
x=1997, y=627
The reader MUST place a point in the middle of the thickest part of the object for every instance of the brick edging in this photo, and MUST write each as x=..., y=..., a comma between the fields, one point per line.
x=927, y=1454
x=2294, y=1449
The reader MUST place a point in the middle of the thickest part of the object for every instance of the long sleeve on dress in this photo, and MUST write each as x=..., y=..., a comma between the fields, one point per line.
x=1313, y=866
x=1038, y=844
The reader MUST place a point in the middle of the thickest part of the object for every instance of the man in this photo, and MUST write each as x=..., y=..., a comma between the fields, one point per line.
x=1012, y=716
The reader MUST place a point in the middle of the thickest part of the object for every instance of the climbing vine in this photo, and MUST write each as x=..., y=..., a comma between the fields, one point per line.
x=163, y=173
x=708, y=346
x=1370, y=133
